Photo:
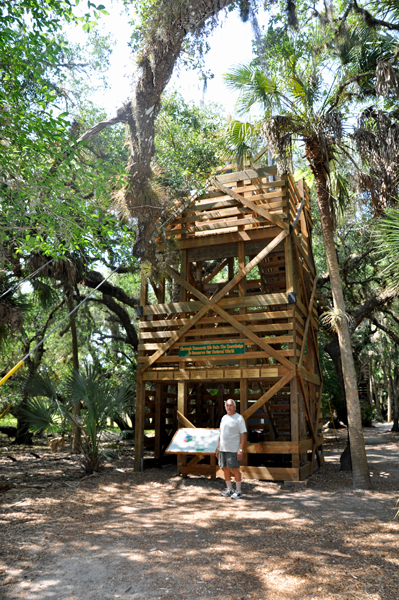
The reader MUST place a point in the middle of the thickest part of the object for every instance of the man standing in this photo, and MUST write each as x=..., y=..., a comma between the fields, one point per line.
x=233, y=435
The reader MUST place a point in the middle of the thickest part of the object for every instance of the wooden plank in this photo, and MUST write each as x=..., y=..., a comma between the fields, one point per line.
x=306, y=445
x=268, y=373
x=247, y=174
x=221, y=201
x=269, y=394
x=250, y=235
x=311, y=267
x=281, y=339
x=252, y=316
x=218, y=225
x=193, y=306
x=172, y=340
x=309, y=376
x=215, y=272
x=270, y=328
x=212, y=303
x=217, y=358
x=308, y=415
x=294, y=418
x=139, y=424
x=310, y=307
x=265, y=184
x=231, y=284
x=157, y=423
x=199, y=470
x=254, y=207
x=271, y=447
x=271, y=473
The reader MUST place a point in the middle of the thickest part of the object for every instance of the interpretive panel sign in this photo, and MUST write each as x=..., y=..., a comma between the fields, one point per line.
x=194, y=441
x=226, y=349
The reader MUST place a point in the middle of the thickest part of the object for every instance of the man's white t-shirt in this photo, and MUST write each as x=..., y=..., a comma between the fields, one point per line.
x=231, y=428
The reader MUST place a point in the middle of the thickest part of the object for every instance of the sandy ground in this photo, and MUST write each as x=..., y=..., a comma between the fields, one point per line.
x=154, y=536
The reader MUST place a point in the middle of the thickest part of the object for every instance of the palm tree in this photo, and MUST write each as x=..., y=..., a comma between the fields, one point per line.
x=298, y=105
x=101, y=400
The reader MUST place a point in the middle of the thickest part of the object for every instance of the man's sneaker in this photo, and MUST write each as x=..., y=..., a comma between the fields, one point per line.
x=237, y=494
x=227, y=493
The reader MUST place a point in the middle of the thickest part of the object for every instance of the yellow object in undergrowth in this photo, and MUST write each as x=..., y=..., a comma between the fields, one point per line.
x=21, y=362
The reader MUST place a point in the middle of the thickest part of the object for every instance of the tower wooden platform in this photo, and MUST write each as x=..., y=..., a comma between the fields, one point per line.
x=239, y=323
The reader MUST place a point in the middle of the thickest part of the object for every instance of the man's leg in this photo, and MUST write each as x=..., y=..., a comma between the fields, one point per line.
x=227, y=477
x=237, y=477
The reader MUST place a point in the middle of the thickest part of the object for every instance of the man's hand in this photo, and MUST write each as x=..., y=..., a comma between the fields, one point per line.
x=217, y=453
x=240, y=455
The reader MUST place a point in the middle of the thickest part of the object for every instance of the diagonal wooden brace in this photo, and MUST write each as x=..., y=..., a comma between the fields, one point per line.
x=305, y=333
x=308, y=416
x=248, y=268
x=209, y=304
x=230, y=319
x=176, y=335
x=253, y=337
x=269, y=394
x=184, y=421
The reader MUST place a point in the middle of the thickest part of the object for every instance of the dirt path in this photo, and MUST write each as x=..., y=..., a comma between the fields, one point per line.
x=153, y=536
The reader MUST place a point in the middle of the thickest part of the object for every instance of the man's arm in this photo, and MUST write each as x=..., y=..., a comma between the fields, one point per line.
x=240, y=452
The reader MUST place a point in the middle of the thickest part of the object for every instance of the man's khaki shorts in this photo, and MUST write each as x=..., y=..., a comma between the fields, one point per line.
x=229, y=460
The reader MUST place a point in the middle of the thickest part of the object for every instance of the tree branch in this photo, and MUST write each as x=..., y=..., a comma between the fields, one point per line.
x=121, y=117
x=380, y=299
x=94, y=278
x=389, y=332
x=370, y=20
x=124, y=318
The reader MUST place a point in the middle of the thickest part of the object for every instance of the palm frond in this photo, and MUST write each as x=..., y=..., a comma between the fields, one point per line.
x=386, y=234
x=42, y=415
x=255, y=88
x=238, y=137
x=40, y=385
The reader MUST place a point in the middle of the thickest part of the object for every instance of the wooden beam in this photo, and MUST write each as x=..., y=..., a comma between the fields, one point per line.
x=270, y=474
x=254, y=207
x=307, y=376
x=271, y=448
x=305, y=333
x=194, y=461
x=245, y=174
x=309, y=417
x=302, y=253
x=157, y=424
x=139, y=424
x=215, y=271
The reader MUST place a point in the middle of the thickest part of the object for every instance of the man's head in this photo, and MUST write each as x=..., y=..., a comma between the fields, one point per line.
x=230, y=406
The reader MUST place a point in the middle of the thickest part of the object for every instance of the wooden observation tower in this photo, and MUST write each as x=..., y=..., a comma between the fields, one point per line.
x=242, y=325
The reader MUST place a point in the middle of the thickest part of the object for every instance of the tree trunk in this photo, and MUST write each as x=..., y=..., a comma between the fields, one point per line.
x=332, y=348
x=169, y=24
x=76, y=433
x=360, y=470
x=395, y=426
x=389, y=380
